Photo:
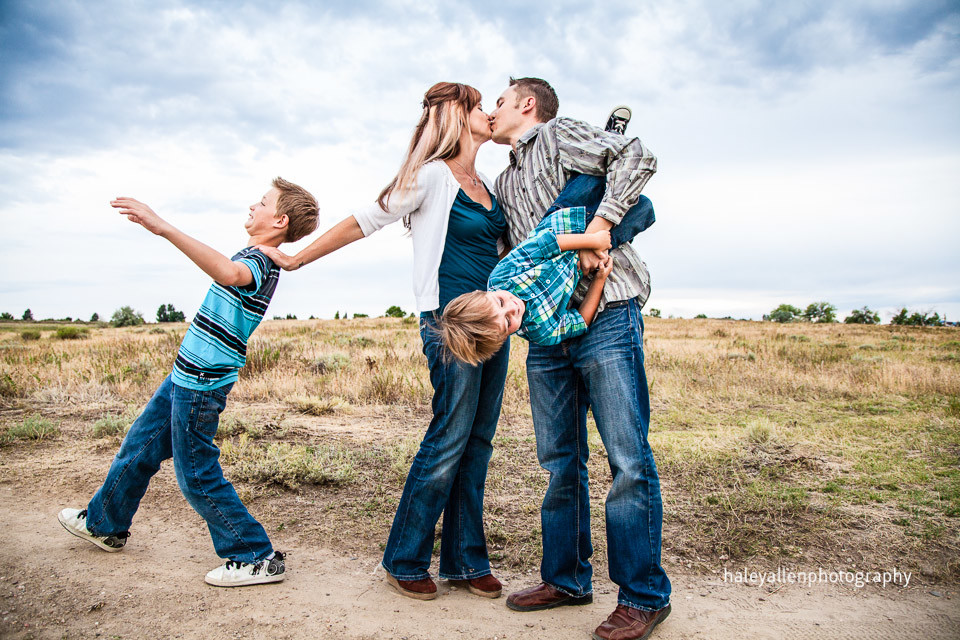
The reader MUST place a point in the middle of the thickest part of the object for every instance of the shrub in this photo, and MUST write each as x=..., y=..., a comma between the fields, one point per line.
x=6, y=316
x=288, y=465
x=361, y=315
x=700, y=316
x=862, y=316
x=8, y=387
x=110, y=425
x=821, y=312
x=36, y=427
x=395, y=312
x=126, y=317
x=95, y=317
x=167, y=313
x=654, y=313
x=784, y=313
x=28, y=315
x=315, y=406
x=71, y=333
x=330, y=363
x=30, y=334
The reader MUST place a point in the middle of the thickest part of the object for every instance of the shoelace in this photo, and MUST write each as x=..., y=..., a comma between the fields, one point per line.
x=236, y=564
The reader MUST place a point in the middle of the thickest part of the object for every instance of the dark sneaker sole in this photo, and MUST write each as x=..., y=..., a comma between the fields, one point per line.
x=416, y=595
x=570, y=601
x=90, y=539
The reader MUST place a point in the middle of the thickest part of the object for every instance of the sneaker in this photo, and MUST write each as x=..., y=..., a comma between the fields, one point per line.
x=242, y=574
x=75, y=521
x=618, y=120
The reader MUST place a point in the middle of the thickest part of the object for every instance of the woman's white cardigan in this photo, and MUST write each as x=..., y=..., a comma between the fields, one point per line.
x=429, y=205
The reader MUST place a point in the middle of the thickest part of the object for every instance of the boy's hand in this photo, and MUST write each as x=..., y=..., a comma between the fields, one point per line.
x=589, y=260
x=600, y=240
x=282, y=260
x=140, y=213
x=606, y=266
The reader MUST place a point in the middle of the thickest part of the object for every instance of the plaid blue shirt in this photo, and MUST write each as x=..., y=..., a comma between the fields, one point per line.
x=537, y=272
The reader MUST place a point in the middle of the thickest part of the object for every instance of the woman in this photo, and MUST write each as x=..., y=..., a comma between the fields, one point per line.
x=456, y=225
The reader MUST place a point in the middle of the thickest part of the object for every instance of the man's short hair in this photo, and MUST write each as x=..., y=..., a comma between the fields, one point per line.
x=547, y=102
x=300, y=207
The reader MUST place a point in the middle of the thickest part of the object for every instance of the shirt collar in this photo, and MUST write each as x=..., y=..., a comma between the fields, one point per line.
x=527, y=136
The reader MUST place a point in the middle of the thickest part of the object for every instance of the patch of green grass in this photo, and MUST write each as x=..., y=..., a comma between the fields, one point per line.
x=71, y=333
x=28, y=335
x=110, y=425
x=289, y=465
x=316, y=406
x=35, y=427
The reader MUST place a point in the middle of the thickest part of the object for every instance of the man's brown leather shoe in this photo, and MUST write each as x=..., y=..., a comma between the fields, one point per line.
x=485, y=586
x=543, y=596
x=627, y=623
x=425, y=589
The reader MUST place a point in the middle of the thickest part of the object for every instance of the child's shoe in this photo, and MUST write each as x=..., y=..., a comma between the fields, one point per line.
x=618, y=120
x=241, y=574
x=75, y=521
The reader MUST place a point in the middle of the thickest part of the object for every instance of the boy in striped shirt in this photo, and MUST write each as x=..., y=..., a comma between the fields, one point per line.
x=181, y=419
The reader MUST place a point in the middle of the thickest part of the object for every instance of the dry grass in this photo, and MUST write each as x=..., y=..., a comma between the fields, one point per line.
x=818, y=444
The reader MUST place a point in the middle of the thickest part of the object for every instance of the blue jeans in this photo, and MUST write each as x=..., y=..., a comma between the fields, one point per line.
x=603, y=370
x=450, y=469
x=179, y=423
x=587, y=191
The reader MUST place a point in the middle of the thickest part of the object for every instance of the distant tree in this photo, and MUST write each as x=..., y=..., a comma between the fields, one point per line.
x=395, y=312
x=291, y=316
x=360, y=315
x=784, y=313
x=700, y=316
x=126, y=317
x=820, y=312
x=336, y=316
x=918, y=319
x=28, y=315
x=901, y=317
x=95, y=317
x=862, y=316
x=654, y=313
x=6, y=316
x=168, y=313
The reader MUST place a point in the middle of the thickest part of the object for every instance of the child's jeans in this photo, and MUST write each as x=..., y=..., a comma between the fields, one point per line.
x=179, y=423
x=587, y=191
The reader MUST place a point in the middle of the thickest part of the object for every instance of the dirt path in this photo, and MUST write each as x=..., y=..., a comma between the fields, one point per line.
x=55, y=586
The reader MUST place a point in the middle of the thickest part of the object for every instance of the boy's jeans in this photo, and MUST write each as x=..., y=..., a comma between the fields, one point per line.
x=450, y=469
x=601, y=369
x=587, y=191
x=179, y=423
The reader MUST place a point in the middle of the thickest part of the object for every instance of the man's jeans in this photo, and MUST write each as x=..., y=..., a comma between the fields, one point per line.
x=450, y=469
x=179, y=423
x=602, y=369
x=587, y=191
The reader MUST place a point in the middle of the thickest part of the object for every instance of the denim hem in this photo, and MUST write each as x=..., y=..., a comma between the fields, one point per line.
x=565, y=592
x=464, y=576
x=406, y=578
x=632, y=605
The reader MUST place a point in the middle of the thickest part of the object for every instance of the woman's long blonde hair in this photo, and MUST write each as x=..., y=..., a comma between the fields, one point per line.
x=446, y=111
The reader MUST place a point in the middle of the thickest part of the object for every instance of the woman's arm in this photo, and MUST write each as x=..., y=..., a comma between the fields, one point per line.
x=339, y=235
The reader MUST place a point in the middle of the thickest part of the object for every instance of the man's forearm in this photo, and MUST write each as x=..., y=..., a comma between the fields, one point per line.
x=216, y=265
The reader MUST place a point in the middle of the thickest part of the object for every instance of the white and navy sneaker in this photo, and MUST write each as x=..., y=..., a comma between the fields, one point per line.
x=75, y=521
x=242, y=574
x=618, y=120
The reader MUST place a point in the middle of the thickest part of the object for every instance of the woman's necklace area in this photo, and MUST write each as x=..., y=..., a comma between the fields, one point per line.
x=472, y=178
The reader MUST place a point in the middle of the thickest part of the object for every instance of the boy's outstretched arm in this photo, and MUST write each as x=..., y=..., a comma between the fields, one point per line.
x=216, y=265
x=598, y=241
x=591, y=301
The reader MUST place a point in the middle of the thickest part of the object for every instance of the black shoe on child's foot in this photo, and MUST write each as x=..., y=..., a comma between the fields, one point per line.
x=618, y=120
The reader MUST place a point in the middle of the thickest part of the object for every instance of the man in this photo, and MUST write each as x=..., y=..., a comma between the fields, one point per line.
x=601, y=369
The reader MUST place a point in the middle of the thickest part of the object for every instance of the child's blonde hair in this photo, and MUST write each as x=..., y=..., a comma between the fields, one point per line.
x=469, y=329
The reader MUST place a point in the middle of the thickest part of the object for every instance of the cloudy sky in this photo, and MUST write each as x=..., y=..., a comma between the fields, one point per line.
x=807, y=150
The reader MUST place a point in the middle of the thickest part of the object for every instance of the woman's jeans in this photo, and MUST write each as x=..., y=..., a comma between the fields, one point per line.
x=603, y=370
x=450, y=469
x=587, y=191
x=179, y=423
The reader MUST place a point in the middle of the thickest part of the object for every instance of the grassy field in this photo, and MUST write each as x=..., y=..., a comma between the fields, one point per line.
x=799, y=444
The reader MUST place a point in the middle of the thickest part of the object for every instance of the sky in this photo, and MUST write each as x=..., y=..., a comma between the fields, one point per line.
x=807, y=151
